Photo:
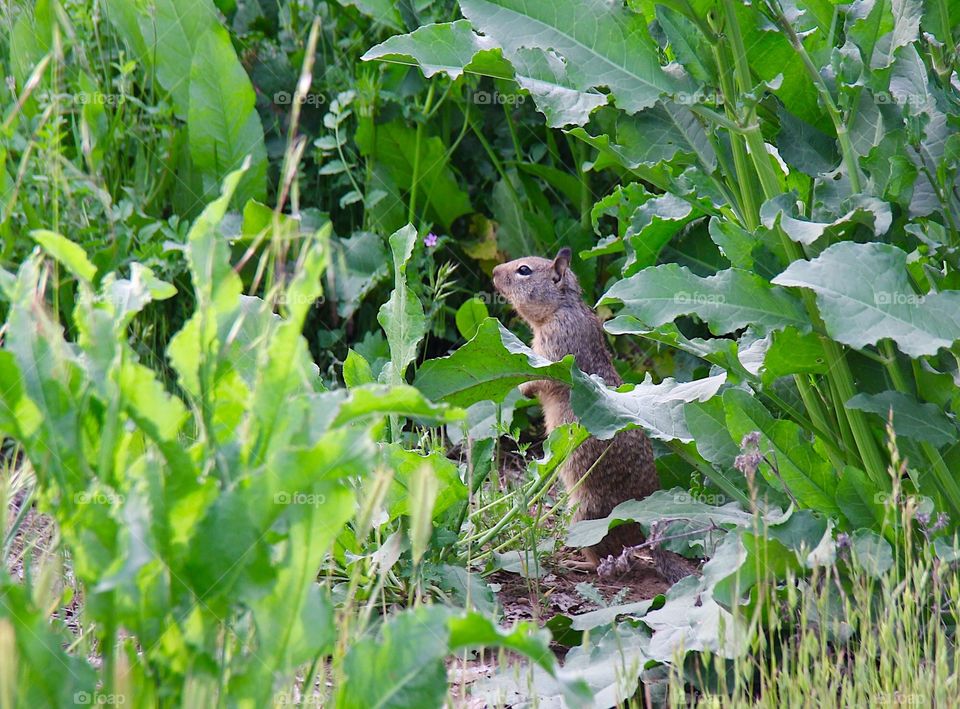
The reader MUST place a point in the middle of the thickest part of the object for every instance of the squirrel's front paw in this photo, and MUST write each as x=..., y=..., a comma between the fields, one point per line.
x=529, y=389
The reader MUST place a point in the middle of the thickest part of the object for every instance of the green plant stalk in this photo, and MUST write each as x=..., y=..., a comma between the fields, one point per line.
x=946, y=481
x=415, y=179
x=835, y=452
x=586, y=194
x=843, y=136
x=745, y=181
x=514, y=511
x=744, y=184
x=838, y=370
x=843, y=424
x=539, y=487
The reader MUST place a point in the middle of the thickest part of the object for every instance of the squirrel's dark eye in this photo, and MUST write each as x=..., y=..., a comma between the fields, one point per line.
x=524, y=270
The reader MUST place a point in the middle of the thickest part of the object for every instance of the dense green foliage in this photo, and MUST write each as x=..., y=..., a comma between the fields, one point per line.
x=251, y=366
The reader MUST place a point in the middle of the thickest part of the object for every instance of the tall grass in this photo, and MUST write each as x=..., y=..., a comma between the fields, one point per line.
x=857, y=639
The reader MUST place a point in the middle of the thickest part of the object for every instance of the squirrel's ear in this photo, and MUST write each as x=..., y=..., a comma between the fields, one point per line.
x=561, y=263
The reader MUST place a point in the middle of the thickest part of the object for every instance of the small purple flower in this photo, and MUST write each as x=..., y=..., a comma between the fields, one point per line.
x=750, y=456
x=430, y=240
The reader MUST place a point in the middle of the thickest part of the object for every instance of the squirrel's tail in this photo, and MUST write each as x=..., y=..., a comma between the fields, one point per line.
x=671, y=566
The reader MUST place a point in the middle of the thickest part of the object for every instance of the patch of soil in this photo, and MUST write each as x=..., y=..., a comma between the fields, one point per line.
x=541, y=599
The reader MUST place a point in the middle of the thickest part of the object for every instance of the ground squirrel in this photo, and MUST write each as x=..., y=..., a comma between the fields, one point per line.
x=547, y=295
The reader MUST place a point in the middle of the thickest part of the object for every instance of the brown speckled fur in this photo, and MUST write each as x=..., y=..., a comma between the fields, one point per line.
x=549, y=299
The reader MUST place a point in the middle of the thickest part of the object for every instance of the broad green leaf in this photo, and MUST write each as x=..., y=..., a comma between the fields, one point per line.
x=765, y=559
x=373, y=401
x=692, y=621
x=805, y=147
x=449, y=48
x=911, y=418
x=880, y=27
x=653, y=136
x=653, y=225
x=222, y=121
x=357, y=265
x=394, y=146
x=719, y=350
x=30, y=38
x=170, y=31
x=782, y=211
x=402, y=316
x=790, y=352
x=871, y=552
x=356, y=370
x=605, y=616
x=864, y=296
x=473, y=630
x=735, y=243
x=666, y=505
x=778, y=66
x=941, y=19
x=470, y=315
x=488, y=367
x=859, y=499
x=600, y=44
x=604, y=672
x=801, y=469
x=217, y=287
x=657, y=408
x=19, y=417
x=424, y=487
x=706, y=421
x=406, y=657
x=383, y=11
x=68, y=253
x=454, y=49
x=726, y=301
x=688, y=43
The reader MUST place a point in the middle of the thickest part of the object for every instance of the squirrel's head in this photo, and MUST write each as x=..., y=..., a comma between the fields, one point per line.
x=538, y=287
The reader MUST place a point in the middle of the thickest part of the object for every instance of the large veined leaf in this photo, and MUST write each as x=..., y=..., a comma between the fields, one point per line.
x=170, y=31
x=807, y=475
x=726, y=301
x=394, y=146
x=606, y=670
x=652, y=225
x=68, y=253
x=223, y=124
x=494, y=362
x=911, y=418
x=782, y=210
x=454, y=48
x=402, y=316
x=880, y=27
x=407, y=657
x=657, y=408
x=778, y=66
x=451, y=48
x=601, y=44
x=910, y=88
x=667, y=505
x=650, y=137
x=864, y=295
x=489, y=366
x=357, y=265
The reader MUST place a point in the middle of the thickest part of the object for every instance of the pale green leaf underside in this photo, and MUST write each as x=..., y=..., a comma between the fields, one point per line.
x=864, y=296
